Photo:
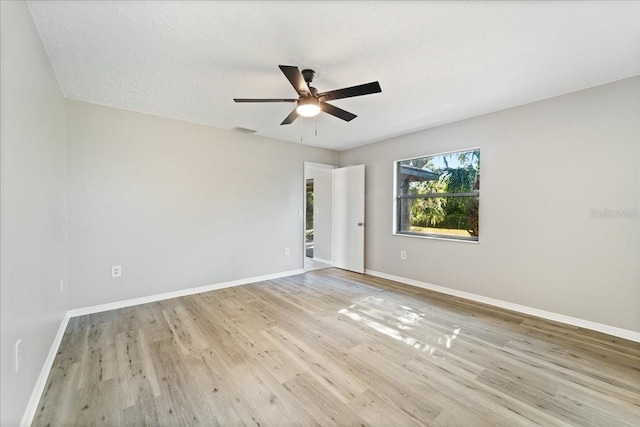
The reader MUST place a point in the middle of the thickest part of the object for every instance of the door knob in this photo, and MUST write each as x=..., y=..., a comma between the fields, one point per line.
x=360, y=224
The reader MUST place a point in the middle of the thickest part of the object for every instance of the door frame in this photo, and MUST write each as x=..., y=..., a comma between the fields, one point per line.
x=304, y=204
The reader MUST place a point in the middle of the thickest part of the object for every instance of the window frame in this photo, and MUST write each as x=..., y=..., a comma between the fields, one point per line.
x=397, y=200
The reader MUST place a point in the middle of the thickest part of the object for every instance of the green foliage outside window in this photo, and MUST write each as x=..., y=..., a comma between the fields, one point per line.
x=440, y=194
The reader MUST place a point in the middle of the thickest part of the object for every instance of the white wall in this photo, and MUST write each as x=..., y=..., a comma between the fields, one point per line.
x=32, y=192
x=178, y=205
x=323, y=206
x=544, y=167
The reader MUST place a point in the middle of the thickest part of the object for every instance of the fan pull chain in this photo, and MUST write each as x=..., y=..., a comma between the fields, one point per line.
x=300, y=129
x=316, y=126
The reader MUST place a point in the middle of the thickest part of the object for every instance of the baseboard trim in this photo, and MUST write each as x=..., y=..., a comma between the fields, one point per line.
x=574, y=321
x=324, y=261
x=41, y=382
x=176, y=294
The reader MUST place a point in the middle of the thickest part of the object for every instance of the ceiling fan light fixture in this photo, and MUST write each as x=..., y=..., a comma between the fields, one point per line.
x=308, y=107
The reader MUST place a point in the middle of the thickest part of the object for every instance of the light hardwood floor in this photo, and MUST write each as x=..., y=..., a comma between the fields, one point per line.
x=334, y=348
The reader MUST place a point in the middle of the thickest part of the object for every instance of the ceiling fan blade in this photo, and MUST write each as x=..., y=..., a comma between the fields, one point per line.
x=338, y=112
x=290, y=118
x=295, y=78
x=264, y=100
x=348, y=92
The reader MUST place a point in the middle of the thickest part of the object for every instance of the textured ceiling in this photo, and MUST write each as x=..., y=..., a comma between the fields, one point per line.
x=437, y=62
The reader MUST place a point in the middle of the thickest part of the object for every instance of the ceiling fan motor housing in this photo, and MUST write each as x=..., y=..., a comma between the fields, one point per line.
x=308, y=75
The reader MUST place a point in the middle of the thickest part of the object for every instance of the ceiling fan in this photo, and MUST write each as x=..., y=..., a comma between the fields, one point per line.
x=310, y=102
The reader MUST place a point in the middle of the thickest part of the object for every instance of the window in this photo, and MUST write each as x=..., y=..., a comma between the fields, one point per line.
x=439, y=195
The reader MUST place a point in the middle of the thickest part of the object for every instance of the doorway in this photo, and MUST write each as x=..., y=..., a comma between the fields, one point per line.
x=308, y=231
x=318, y=216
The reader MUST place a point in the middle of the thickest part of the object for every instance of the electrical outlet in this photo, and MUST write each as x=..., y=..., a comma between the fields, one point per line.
x=61, y=285
x=116, y=270
x=403, y=254
x=17, y=355
x=286, y=251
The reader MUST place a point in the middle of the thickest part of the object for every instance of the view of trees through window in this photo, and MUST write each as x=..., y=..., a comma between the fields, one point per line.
x=439, y=195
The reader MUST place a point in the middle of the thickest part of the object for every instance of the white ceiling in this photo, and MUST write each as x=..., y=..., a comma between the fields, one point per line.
x=437, y=62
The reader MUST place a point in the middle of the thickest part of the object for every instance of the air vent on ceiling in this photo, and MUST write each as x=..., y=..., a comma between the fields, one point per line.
x=243, y=130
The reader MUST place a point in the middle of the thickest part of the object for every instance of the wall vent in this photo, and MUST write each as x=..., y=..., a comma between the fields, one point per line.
x=243, y=130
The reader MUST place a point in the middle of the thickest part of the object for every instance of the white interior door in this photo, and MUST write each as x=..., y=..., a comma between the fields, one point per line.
x=348, y=218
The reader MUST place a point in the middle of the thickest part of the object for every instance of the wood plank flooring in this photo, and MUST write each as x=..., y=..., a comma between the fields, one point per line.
x=330, y=347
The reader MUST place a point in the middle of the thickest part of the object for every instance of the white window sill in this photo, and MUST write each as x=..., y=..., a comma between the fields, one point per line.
x=448, y=239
